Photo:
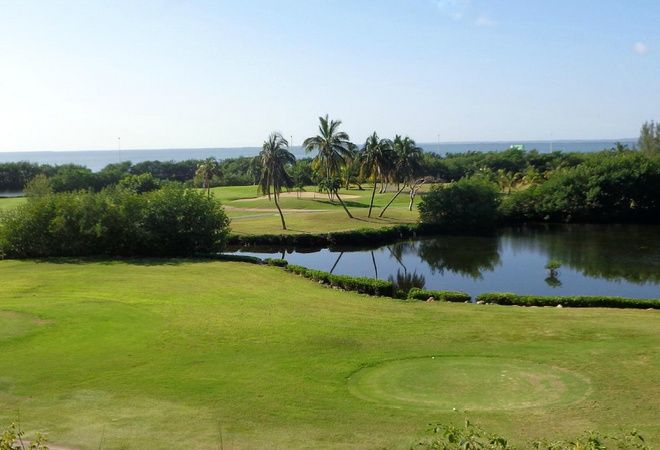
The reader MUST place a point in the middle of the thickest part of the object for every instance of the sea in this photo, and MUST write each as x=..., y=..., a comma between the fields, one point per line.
x=98, y=159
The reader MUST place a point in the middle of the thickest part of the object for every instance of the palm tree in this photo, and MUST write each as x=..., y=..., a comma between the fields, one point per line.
x=406, y=165
x=206, y=170
x=507, y=180
x=375, y=161
x=333, y=149
x=254, y=169
x=275, y=156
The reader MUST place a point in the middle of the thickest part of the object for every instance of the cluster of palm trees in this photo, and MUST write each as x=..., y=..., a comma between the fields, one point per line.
x=382, y=160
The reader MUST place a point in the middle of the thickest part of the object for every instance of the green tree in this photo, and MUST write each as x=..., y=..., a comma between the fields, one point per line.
x=406, y=165
x=206, y=170
x=468, y=204
x=649, y=138
x=275, y=157
x=374, y=161
x=254, y=169
x=142, y=183
x=39, y=186
x=333, y=150
x=507, y=180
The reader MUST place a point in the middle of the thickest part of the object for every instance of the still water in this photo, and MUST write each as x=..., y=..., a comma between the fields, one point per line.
x=615, y=260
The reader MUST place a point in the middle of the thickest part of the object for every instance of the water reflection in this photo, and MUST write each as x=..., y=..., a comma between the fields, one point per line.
x=463, y=255
x=612, y=252
x=405, y=281
x=595, y=260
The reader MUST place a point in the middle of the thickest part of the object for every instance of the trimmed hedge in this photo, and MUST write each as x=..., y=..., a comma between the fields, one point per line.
x=506, y=298
x=362, y=285
x=232, y=258
x=446, y=296
x=276, y=262
x=362, y=237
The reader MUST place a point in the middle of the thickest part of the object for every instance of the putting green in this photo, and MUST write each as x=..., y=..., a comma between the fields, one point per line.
x=466, y=383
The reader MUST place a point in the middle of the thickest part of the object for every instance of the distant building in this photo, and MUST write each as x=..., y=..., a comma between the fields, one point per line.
x=517, y=147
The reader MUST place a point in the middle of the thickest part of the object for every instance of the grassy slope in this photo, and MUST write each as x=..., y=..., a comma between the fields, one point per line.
x=150, y=354
x=311, y=215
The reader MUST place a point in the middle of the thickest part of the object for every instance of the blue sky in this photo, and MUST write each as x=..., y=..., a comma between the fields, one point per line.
x=78, y=74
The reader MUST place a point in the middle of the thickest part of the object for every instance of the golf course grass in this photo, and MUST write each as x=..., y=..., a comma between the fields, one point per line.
x=154, y=354
x=470, y=383
x=10, y=202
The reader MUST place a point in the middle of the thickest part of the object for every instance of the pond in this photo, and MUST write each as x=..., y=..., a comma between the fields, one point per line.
x=612, y=260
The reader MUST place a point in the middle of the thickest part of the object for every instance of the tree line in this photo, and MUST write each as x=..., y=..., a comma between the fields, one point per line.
x=243, y=171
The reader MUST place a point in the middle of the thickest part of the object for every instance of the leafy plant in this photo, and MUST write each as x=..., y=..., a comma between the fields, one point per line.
x=12, y=438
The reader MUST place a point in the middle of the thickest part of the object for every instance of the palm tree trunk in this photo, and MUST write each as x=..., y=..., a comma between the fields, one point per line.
x=343, y=205
x=391, y=201
x=336, y=262
x=413, y=192
x=373, y=194
x=280, y=211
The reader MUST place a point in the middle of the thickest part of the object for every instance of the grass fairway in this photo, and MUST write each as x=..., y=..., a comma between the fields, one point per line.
x=160, y=355
x=314, y=213
x=11, y=202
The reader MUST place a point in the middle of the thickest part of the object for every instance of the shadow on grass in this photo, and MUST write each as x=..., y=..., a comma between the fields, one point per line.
x=348, y=203
x=143, y=261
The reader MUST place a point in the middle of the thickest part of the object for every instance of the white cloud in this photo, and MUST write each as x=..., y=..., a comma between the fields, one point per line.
x=484, y=21
x=640, y=48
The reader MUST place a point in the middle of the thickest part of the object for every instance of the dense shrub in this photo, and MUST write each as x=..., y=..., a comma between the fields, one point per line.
x=468, y=204
x=446, y=296
x=363, y=237
x=276, y=262
x=234, y=258
x=139, y=183
x=619, y=186
x=172, y=221
x=362, y=285
x=472, y=437
x=505, y=298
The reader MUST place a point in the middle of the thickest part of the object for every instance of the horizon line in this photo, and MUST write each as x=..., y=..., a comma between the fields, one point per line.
x=430, y=143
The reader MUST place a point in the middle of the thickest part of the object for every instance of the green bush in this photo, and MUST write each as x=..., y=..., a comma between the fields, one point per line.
x=468, y=204
x=276, y=262
x=506, y=298
x=233, y=258
x=472, y=437
x=362, y=285
x=446, y=296
x=172, y=221
x=363, y=237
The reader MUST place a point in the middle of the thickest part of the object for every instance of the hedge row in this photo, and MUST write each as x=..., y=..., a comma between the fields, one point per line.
x=573, y=301
x=362, y=237
x=362, y=285
x=232, y=258
x=446, y=296
x=276, y=262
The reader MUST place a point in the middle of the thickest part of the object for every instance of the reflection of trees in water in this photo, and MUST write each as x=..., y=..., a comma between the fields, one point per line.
x=612, y=252
x=553, y=282
x=405, y=281
x=463, y=255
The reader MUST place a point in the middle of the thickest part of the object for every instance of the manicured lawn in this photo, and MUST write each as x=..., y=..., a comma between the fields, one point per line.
x=162, y=354
x=11, y=202
x=315, y=214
